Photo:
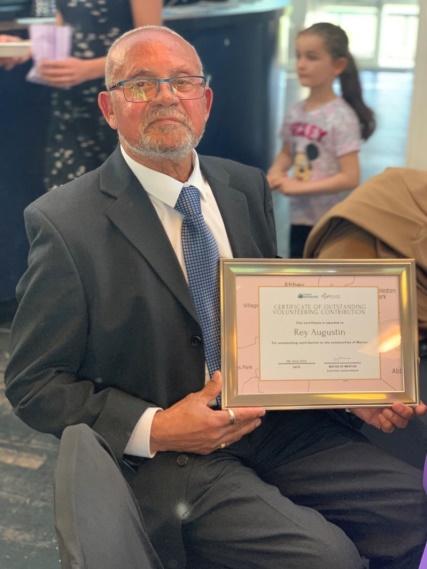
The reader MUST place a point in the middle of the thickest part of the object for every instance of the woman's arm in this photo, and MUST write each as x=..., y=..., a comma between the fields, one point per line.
x=146, y=13
x=9, y=62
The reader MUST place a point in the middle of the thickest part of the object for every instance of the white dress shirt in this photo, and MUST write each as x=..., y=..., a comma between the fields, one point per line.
x=163, y=192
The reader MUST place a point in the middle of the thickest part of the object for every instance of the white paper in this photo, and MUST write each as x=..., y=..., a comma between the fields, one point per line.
x=318, y=333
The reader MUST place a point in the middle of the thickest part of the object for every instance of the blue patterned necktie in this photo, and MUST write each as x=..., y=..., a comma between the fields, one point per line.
x=201, y=257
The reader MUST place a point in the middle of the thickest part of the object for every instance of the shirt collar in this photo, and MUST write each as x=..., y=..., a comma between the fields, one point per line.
x=164, y=187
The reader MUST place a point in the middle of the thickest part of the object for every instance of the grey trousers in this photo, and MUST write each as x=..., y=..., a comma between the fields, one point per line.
x=303, y=491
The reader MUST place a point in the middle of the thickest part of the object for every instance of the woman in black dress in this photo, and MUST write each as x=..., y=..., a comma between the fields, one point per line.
x=78, y=138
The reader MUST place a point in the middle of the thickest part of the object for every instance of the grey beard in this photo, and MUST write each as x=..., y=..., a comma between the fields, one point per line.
x=155, y=151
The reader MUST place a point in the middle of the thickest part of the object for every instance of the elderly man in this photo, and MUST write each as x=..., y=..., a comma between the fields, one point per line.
x=112, y=331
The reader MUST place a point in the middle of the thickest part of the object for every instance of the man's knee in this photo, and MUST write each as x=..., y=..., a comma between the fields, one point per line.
x=338, y=552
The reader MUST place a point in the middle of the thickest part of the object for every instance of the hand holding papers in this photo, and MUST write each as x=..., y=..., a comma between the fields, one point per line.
x=13, y=51
x=49, y=42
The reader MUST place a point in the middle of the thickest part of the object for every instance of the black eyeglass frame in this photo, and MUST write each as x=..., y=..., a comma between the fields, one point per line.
x=169, y=80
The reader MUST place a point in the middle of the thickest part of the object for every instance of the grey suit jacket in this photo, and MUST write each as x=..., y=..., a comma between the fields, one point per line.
x=106, y=325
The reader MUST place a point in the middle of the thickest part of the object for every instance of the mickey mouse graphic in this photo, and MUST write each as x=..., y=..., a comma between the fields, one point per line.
x=302, y=162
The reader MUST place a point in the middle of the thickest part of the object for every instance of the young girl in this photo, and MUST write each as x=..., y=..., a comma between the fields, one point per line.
x=321, y=135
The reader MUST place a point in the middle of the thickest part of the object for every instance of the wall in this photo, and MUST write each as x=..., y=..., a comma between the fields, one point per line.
x=416, y=148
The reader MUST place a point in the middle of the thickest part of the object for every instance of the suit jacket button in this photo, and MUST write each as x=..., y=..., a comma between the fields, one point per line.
x=196, y=341
x=182, y=459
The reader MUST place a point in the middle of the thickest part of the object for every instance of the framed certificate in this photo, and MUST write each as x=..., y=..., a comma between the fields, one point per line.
x=318, y=333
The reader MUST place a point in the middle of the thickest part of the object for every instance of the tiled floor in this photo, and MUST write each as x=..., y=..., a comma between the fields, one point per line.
x=27, y=458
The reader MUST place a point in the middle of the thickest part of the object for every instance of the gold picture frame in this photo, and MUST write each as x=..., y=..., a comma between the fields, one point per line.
x=318, y=333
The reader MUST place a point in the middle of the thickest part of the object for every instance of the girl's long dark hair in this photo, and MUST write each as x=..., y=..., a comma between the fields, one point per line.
x=336, y=43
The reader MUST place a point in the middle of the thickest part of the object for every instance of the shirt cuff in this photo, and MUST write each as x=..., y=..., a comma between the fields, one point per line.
x=139, y=442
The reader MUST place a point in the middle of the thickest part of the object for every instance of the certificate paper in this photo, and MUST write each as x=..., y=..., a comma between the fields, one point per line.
x=318, y=335
x=312, y=334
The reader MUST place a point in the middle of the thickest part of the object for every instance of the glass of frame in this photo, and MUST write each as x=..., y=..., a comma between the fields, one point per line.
x=318, y=333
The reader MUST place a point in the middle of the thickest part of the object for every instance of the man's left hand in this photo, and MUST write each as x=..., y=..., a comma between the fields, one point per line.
x=387, y=419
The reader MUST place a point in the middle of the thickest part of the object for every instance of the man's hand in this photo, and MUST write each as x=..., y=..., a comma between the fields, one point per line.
x=387, y=419
x=192, y=426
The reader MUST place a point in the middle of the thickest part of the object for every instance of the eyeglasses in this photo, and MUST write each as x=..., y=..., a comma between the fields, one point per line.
x=145, y=89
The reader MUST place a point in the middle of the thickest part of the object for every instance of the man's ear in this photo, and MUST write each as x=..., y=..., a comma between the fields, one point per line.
x=208, y=101
x=106, y=106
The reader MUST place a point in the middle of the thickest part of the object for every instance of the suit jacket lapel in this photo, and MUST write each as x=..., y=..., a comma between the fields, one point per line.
x=134, y=215
x=233, y=207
